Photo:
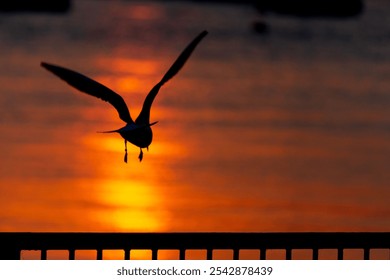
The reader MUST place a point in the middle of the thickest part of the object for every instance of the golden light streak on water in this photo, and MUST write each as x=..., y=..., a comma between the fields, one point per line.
x=133, y=206
x=130, y=193
x=129, y=65
x=130, y=76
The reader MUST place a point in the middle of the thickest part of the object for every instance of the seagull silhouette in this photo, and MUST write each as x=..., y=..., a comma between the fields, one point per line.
x=137, y=132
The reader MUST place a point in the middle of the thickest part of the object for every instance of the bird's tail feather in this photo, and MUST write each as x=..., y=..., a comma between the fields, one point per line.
x=108, y=131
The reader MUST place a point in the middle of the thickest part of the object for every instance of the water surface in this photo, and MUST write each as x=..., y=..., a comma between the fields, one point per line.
x=284, y=132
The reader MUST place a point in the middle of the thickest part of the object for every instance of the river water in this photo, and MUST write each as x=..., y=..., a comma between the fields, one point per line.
x=285, y=131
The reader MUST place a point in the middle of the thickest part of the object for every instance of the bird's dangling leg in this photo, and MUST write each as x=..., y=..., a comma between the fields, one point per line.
x=141, y=154
x=125, y=159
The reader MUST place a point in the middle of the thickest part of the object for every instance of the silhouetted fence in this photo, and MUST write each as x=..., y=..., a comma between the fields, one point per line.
x=12, y=244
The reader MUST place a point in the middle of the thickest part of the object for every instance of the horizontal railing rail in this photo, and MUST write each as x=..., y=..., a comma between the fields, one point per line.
x=13, y=243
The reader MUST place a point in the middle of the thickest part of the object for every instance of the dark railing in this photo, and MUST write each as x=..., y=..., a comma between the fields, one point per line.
x=13, y=243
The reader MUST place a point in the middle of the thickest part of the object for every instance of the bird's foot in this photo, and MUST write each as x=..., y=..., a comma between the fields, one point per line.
x=141, y=155
x=125, y=159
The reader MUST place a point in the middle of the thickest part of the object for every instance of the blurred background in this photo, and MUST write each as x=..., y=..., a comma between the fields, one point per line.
x=278, y=122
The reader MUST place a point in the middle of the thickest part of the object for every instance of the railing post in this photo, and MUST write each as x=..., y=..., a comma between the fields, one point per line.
x=340, y=253
x=127, y=254
x=263, y=254
x=236, y=254
x=209, y=254
x=154, y=254
x=99, y=254
x=43, y=254
x=366, y=253
x=288, y=254
x=72, y=253
x=182, y=254
x=315, y=253
x=9, y=254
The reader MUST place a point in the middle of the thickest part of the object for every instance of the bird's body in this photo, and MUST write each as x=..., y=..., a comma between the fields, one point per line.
x=138, y=132
x=140, y=136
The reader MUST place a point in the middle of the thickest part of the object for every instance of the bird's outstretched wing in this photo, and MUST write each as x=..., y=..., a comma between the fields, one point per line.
x=175, y=68
x=91, y=87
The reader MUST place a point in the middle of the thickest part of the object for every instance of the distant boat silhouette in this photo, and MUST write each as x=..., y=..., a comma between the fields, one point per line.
x=310, y=8
x=35, y=6
x=137, y=132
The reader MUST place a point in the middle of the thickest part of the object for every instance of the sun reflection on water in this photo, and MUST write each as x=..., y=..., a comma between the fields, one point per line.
x=131, y=206
x=129, y=75
x=131, y=196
